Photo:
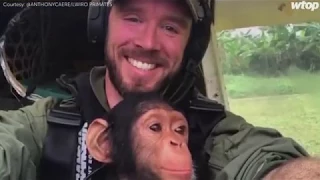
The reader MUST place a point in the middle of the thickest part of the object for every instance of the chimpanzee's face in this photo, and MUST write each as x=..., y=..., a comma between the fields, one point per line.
x=145, y=43
x=147, y=140
x=160, y=139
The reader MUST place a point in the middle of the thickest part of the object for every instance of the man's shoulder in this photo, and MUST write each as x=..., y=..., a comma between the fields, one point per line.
x=231, y=123
x=28, y=124
x=39, y=108
x=236, y=129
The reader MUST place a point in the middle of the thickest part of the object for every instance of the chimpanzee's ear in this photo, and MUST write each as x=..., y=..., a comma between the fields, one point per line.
x=98, y=143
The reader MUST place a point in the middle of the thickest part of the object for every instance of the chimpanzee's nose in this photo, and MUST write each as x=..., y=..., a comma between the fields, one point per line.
x=176, y=143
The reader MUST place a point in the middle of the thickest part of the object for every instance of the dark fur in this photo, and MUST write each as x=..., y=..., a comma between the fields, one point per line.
x=122, y=118
x=201, y=167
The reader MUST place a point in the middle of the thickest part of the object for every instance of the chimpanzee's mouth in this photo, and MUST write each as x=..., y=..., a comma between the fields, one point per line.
x=178, y=171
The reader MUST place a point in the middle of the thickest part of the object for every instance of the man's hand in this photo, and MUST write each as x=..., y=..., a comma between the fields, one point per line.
x=301, y=168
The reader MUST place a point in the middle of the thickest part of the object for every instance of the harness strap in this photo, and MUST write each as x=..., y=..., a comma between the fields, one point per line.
x=210, y=112
x=87, y=100
x=65, y=120
x=203, y=114
x=90, y=110
x=59, y=151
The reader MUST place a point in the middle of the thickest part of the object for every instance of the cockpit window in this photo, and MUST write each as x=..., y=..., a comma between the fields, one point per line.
x=272, y=77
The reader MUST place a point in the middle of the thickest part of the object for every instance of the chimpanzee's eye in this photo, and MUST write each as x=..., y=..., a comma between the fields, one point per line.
x=181, y=130
x=156, y=127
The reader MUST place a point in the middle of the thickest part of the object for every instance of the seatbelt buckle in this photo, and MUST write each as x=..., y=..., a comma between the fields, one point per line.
x=65, y=116
x=67, y=84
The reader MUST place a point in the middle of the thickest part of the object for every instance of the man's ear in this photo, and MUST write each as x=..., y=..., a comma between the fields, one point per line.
x=98, y=142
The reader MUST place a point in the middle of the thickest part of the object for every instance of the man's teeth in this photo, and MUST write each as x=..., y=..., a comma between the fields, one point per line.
x=141, y=65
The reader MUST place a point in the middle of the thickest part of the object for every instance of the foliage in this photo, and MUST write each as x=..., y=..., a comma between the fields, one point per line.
x=273, y=50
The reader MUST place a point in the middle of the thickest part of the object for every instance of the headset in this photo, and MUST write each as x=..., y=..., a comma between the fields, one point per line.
x=198, y=43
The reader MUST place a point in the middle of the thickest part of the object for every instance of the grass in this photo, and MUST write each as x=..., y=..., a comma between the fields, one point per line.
x=289, y=104
x=296, y=82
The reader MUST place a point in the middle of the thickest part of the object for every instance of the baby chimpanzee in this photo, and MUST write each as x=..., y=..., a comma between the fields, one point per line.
x=148, y=140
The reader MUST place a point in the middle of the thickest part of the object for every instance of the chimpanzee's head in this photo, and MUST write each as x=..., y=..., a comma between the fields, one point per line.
x=147, y=139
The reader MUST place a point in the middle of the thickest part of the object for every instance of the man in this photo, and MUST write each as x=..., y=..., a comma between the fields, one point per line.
x=148, y=45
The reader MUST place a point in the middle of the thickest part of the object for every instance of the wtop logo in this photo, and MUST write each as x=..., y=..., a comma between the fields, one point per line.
x=304, y=5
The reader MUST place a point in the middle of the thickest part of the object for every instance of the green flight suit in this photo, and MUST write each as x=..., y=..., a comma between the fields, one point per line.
x=238, y=149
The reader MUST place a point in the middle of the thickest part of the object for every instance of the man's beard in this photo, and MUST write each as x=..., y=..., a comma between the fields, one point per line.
x=122, y=88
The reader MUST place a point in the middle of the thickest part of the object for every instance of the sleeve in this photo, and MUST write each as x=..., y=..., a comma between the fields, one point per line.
x=240, y=151
x=22, y=133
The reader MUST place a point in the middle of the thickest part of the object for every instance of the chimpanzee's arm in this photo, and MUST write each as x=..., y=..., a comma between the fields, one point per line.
x=241, y=151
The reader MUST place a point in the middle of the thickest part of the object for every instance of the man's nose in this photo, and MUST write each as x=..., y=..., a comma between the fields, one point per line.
x=148, y=39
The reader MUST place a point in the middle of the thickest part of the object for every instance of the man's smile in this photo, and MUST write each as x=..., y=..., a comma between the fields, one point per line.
x=141, y=65
x=142, y=69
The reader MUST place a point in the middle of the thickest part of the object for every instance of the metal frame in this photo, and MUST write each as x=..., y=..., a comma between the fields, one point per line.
x=17, y=86
x=11, y=79
x=212, y=69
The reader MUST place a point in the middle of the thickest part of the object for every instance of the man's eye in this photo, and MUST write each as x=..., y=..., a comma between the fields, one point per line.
x=170, y=28
x=133, y=19
x=181, y=130
x=156, y=127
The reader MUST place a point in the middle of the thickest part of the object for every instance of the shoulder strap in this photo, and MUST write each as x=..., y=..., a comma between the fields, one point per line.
x=59, y=151
x=65, y=121
x=203, y=115
x=90, y=110
x=58, y=159
x=87, y=100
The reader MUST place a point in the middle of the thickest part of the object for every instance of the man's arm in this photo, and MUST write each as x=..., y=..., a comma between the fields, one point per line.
x=241, y=151
x=300, y=168
x=22, y=133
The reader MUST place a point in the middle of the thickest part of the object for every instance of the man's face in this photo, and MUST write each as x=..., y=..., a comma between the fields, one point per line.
x=145, y=43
